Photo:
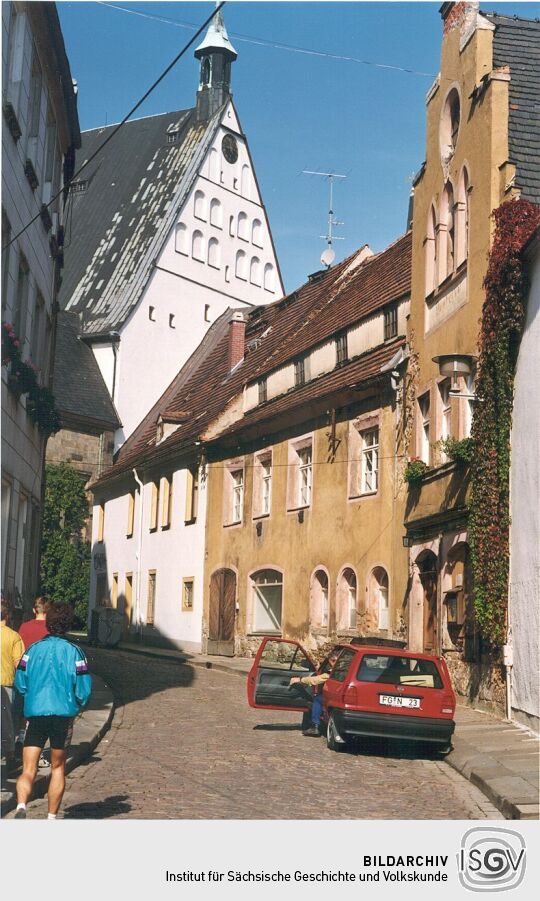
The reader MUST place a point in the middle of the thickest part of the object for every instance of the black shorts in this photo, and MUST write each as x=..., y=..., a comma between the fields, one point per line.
x=57, y=729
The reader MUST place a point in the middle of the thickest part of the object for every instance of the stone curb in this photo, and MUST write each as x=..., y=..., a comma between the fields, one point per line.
x=88, y=730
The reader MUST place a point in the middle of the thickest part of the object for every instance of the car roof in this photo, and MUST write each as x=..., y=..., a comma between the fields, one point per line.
x=388, y=652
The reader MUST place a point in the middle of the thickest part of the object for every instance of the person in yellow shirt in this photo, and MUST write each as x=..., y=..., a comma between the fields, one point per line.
x=12, y=649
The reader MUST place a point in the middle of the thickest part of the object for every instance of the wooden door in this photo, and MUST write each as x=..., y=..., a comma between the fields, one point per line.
x=221, y=616
x=428, y=577
x=128, y=602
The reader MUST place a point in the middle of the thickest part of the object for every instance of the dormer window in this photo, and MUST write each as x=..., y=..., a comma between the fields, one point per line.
x=172, y=137
x=341, y=349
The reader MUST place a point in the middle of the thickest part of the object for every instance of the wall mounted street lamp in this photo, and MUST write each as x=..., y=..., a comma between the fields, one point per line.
x=454, y=366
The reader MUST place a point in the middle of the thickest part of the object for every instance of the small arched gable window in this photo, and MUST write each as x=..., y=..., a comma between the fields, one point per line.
x=462, y=218
x=256, y=233
x=245, y=182
x=255, y=271
x=243, y=226
x=216, y=216
x=197, y=246
x=269, y=277
x=446, y=233
x=431, y=252
x=199, y=205
x=214, y=253
x=213, y=168
x=181, y=239
x=241, y=265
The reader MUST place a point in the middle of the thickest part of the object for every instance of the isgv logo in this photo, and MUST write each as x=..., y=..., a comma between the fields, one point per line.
x=491, y=859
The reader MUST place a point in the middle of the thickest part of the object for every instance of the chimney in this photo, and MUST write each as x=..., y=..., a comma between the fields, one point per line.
x=455, y=15
x=237, y=340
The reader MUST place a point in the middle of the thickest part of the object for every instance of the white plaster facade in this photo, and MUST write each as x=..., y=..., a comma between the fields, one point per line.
x=199, y=272
x=524, y=587
x=32, y=87
x=174, y=553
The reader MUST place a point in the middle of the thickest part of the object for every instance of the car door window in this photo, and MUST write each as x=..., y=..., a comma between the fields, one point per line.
x=284, y=655
x=341, y=666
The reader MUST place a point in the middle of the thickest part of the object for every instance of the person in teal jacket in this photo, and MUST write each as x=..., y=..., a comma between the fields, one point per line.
x=53, y=678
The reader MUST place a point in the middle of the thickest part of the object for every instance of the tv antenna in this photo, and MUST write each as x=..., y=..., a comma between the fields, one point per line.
x=328, y=256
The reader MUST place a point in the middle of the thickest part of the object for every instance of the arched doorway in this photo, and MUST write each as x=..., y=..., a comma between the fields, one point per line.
x=427, y=567
x=221, y=613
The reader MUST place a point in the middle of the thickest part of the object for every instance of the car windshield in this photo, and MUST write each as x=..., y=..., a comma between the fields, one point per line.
x=394, y=670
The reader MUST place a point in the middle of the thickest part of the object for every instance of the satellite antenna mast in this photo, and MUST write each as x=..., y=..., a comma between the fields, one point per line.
x=328, y=256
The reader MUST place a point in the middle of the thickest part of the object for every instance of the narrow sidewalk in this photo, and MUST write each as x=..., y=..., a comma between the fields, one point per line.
x=88, y=730
x=498, y=757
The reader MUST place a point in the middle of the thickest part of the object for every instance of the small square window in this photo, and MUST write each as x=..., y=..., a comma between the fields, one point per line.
x=299, y=373
x=187, y=594
x=263, y=391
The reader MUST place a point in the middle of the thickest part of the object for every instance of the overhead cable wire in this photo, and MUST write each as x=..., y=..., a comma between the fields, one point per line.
x=117, y=128
x=276, y=45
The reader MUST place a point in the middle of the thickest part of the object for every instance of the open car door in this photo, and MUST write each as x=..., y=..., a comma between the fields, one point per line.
x=277, y=661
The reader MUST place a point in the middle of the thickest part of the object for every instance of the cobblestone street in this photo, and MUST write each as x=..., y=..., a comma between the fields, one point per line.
x=185, y=744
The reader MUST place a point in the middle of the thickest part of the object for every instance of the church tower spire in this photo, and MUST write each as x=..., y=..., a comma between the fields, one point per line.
x=216, y=54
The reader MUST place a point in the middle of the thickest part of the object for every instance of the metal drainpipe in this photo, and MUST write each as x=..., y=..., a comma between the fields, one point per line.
x=508, y=661
x=139, y=552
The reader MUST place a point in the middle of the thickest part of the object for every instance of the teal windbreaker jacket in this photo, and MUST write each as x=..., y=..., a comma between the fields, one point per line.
x=53, y=677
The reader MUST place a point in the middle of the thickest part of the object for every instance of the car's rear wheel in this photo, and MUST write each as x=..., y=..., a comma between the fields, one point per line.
x=334, y=741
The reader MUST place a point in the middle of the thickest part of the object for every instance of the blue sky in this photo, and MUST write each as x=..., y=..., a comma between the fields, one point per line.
x=299, y=110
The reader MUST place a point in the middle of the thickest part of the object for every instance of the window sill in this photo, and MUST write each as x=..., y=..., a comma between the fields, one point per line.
x=230, y=525
x=447, y=282
x=260, y=516
x=166, y=527
x=190, y=522
x=364, y=494
x=297, y=509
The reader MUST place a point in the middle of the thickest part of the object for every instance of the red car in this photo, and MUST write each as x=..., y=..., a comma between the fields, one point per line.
x=375, y=689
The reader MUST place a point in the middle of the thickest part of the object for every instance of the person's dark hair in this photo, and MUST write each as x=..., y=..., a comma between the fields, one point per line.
x=59, y=619
x=6, y=611
x=41, y=604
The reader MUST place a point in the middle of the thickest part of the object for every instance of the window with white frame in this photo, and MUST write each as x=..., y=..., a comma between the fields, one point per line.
x=369, y=466
x=446, y=410
x=424, y=426
x=380, y=600
x=262, y=484
x=468, y=404
x=267, y=595
x=319, y=599
x=237, y=477
x=233, y=493
x=305, y=463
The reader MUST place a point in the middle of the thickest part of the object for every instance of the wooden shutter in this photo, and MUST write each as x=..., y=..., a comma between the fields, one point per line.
x=155, y=506
x=131, y=515
x=192, y=494
x=101, y=522
x=166, y=504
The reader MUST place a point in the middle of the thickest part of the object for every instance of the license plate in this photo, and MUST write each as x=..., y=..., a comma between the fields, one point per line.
x=399, y=701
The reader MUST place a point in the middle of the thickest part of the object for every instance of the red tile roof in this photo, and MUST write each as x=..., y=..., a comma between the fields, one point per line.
x=275, y=334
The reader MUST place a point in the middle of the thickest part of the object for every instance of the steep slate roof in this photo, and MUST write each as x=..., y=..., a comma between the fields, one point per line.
x=78, y=386
x=276, y=333
x=516, y=44
x=133, y=191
